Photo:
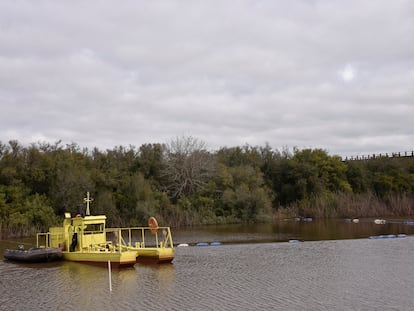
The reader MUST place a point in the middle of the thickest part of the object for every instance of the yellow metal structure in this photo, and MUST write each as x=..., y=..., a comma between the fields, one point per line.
x=86, y=239
x=151, y=246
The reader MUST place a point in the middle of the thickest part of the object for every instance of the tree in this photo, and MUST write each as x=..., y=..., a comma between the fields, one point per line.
x=357, y=176
x=150, y=161
x=309, y=173
x=237, y=156
x=187, y=166
x=245, y=196
x=71, y=180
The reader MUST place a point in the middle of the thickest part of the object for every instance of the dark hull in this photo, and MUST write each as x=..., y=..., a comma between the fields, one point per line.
x=33, y=254
x=153, y=260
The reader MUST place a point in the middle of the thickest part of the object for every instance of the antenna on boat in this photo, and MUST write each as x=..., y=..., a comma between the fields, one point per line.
x=87, y=200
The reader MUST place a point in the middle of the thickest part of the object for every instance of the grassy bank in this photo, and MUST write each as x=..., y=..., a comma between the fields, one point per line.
x=350, y=205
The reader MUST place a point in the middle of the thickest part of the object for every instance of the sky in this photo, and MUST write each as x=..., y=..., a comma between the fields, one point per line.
x=330, y=74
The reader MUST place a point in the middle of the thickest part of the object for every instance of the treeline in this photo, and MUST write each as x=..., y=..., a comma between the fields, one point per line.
x=183, y=183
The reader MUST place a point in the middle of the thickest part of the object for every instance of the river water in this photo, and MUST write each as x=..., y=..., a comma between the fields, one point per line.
x=327, y=265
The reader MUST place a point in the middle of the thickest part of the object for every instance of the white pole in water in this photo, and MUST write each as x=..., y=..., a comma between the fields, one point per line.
x=110, y=277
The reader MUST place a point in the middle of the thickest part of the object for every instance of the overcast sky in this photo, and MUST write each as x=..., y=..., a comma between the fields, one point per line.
x=330, y=74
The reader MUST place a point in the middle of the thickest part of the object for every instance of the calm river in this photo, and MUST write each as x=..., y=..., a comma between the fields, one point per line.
x=335, y=266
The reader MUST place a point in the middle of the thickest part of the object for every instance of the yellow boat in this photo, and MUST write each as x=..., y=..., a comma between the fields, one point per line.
x=85, y=238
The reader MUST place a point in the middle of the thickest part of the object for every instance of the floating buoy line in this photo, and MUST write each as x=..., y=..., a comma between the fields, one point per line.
x=293, y=241
x=200, y=244
x=182, y=245
x=207, y=244
x=355, y=221
x=387, y=236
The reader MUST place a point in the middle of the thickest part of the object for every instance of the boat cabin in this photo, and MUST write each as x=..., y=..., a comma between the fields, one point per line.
x=79, y=233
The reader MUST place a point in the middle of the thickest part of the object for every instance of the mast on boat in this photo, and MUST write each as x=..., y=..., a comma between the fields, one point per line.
x=87, y=200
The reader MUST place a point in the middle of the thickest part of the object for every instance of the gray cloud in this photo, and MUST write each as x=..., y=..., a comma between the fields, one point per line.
x=325, y=74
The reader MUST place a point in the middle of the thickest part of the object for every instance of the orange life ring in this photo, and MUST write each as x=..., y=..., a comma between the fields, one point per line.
x=153, y=224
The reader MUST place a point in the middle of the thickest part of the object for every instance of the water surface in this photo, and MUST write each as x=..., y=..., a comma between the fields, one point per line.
x=255, y=268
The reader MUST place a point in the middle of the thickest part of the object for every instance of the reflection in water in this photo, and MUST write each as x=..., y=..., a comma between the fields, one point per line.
x=351, y=274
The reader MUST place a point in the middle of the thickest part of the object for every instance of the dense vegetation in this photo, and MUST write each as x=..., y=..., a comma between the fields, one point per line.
x=182, y=183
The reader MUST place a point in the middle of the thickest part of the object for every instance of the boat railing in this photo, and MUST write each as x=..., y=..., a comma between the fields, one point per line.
x=142, y=237
x=117, y=239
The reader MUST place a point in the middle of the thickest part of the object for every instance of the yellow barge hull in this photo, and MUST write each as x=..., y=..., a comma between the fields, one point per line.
x=155, y=255
x=117, y=259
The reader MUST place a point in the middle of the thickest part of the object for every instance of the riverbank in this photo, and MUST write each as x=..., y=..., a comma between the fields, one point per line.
x=350, y=205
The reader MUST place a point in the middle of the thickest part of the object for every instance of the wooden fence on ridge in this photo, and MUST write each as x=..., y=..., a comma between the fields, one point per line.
x=403, y=154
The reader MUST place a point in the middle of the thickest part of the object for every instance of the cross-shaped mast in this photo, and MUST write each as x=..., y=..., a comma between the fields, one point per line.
x=87, y=200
